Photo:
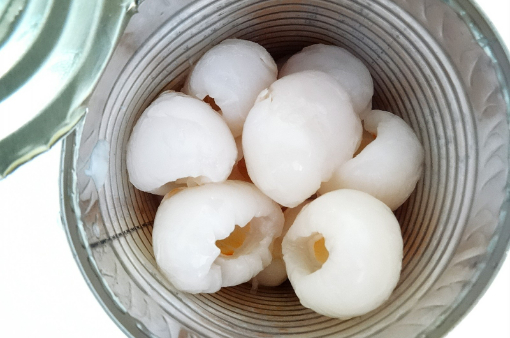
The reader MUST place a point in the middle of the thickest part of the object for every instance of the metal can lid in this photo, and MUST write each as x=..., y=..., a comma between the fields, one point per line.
x=52, y=53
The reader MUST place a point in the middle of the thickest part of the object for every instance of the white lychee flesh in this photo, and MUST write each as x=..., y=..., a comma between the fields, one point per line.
x=299, y=131
x=179, y=138
x=344, y=254
x=389, y=167
x=348, y=70
x=215, y=235
x=232, y=73
x=276, y=273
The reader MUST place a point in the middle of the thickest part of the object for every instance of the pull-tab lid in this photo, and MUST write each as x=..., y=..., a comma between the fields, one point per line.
x=52, y=53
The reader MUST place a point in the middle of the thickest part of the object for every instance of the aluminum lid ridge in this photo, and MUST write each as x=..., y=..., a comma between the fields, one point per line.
x=52, y=53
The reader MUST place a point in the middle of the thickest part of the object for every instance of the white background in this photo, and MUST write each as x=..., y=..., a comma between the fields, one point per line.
x=42, y=293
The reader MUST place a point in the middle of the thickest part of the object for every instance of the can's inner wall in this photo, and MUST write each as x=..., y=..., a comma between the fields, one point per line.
x=413, y=78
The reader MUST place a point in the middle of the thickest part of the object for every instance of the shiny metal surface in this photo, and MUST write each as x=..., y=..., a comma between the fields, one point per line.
x=52, y=54
x=437, y=64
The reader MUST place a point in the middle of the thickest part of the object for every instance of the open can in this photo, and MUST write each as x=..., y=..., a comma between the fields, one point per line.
x=86, y=70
